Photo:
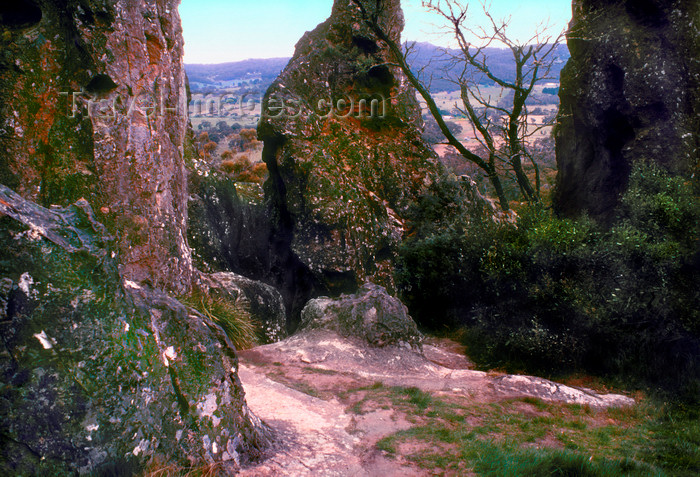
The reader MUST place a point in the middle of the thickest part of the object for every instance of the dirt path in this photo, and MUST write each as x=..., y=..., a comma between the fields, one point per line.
x=305, y=387
x=315, y=436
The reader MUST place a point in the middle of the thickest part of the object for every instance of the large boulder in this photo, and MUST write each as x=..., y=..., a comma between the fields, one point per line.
x=99, y=374
x=371, y=315
x=93, y=104
x=631, y=91
x=342, y=134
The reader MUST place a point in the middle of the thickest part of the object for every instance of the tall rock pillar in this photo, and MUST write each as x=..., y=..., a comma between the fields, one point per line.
x=631, y=91
x=343, y=145
x=91, y=101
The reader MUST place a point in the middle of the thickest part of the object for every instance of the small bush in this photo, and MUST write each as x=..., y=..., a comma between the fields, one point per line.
x=242, y=169
x=551, y=295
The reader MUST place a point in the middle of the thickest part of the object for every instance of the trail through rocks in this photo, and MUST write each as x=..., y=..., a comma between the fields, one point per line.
x=304, y=388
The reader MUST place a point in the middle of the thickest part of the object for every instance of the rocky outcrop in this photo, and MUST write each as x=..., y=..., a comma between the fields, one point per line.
x=631, y=91
x=101, y=371
x=303, y=353
x=371, y=315
x=343, y=146
x=100, y=374
x=90, y=106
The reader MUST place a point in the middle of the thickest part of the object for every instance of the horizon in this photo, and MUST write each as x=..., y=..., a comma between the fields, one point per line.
x=289, y=57
x=206, y=23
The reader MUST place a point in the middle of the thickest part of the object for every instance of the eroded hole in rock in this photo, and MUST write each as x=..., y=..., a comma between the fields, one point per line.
x=616, y=78
x=100, y=84
x=19, y=13
x=382, y=76
x=619, y=130
x=379, y=80
x=365, y=44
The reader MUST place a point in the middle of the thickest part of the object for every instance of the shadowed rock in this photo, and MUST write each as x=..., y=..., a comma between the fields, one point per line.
x=631, y=91
x=264, y=302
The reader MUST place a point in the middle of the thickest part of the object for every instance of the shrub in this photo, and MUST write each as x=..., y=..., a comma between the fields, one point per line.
x=242, y=169
x=552, y=295
x=236, y=166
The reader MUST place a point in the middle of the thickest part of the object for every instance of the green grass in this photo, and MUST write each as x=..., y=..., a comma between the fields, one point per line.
x=321, y=371
x=415, y=396
x=495, y=460
x=534, y=438
x=235, y=320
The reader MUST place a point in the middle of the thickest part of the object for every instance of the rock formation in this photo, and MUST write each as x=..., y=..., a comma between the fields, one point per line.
x=371, y=315
x=631, y=91
x=264, y=302
x=90, y=101
x=100, y=370
x=341, y=128
x=101, y=375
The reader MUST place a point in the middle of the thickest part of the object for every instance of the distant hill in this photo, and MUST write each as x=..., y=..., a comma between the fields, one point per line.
x=429, y=58
x=266, y=69
x=433, y=61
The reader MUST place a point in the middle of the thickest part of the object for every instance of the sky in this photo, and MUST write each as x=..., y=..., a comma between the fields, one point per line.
x=220, y=31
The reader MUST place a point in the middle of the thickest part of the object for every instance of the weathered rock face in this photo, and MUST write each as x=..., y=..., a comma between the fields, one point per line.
x=100, y=370
x=90, y=94
x=371, y=315
x=103, y=375
x=344, y=151
x=631, y=91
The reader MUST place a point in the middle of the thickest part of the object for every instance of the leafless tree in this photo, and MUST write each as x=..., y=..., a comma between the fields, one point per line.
x=500, y=124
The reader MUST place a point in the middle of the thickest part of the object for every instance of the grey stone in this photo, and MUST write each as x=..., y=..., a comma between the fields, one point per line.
x=371, y=315
x=263, y=301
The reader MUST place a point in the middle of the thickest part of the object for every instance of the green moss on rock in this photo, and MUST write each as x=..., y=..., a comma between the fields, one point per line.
x=95, y=368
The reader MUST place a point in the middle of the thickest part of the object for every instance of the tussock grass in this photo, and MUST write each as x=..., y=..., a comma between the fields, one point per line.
x=236, y=321
x=158, y=469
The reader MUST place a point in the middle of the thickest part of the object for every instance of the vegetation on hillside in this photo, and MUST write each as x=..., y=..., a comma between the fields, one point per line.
x=500, y=125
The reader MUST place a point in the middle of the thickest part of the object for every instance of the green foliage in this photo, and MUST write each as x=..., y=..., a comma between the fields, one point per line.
x=552, y=295
x=233, y=318
x=676, y=442
x=420, y=399
x=495, y=461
